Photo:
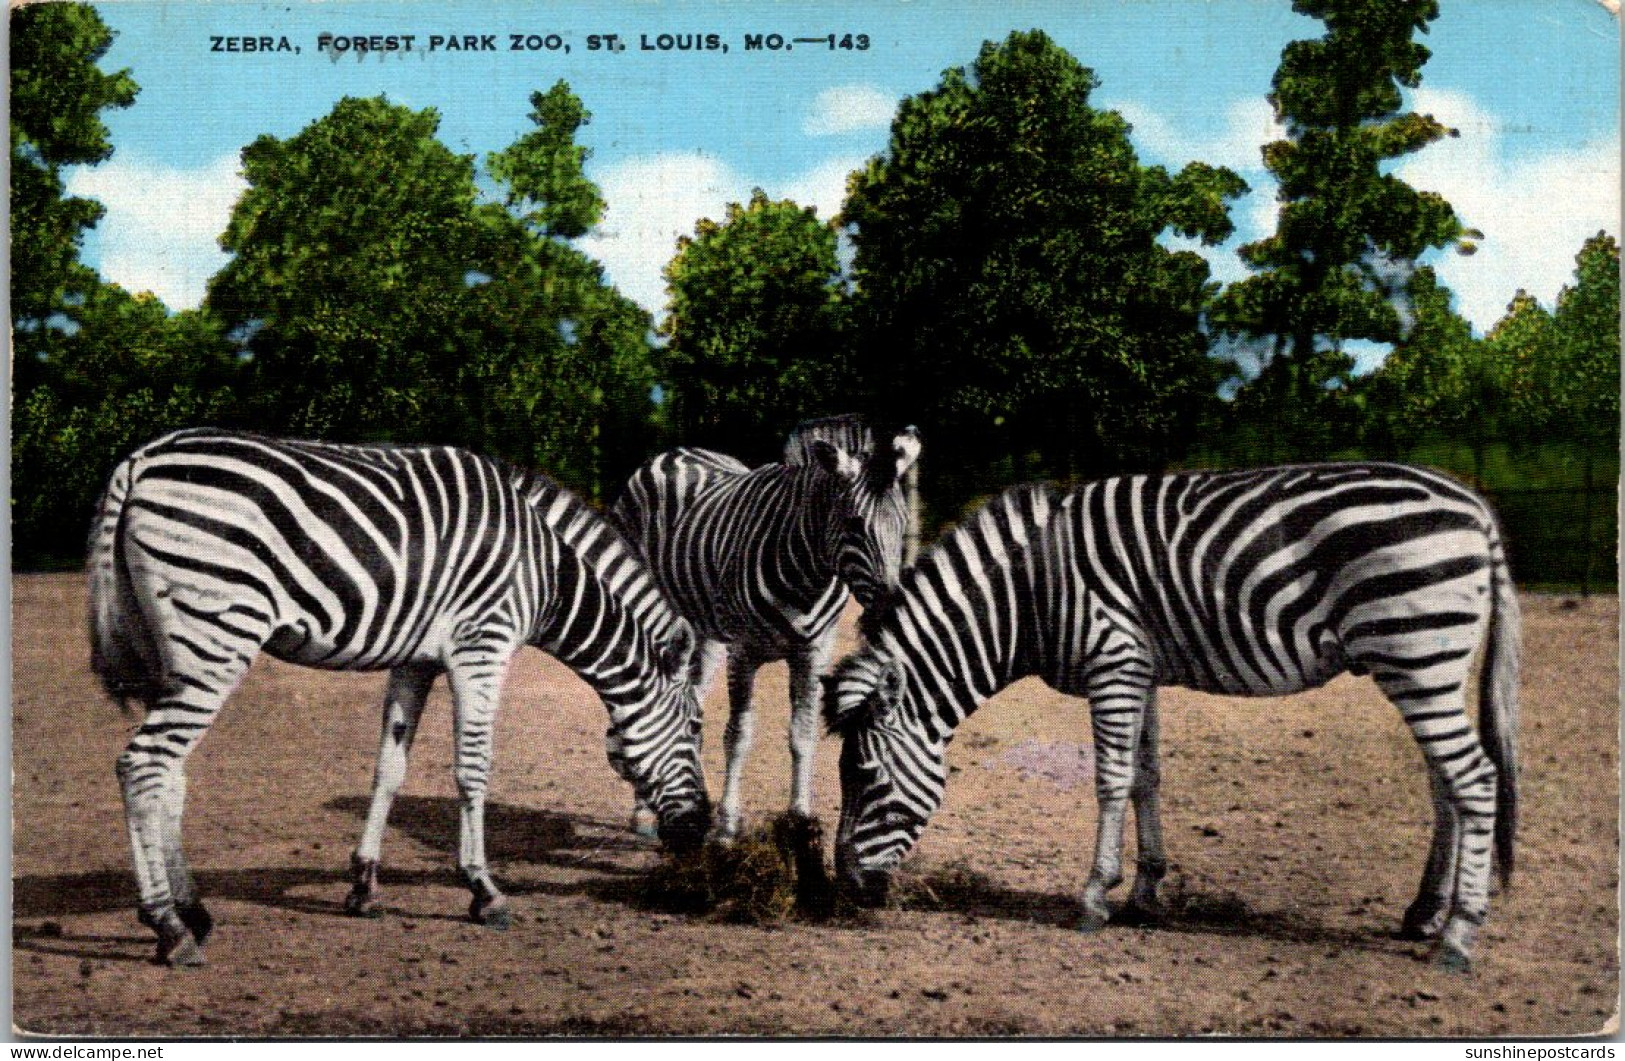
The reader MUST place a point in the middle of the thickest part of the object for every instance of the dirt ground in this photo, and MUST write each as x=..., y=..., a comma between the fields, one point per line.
x=1297, y=830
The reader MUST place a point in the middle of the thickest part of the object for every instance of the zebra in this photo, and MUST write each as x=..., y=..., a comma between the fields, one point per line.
x=1256, y=582
x=761, y=561
x=210, y=547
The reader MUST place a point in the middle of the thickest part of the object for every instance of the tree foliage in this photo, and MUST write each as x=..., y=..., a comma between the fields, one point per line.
x=1348, y=232
x=1439, y=378
x=1560, y=368
x=754, y=326
x=58, y=94
x=380, y=297
x=544, y=169
x=1011, y=294
x=128, y=372
x=1584, y=378
x=1538, y=376
x=351, y=251
x=559, y=373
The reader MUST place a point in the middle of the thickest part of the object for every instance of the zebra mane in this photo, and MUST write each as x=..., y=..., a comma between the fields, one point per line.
x=542, y=491
x=849, y=688
x=847, y=431
x=1032, y=503
x=854, y=435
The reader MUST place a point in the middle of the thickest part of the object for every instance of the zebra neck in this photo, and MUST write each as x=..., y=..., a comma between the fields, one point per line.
x=812, y=529
x=970, y=617
x=603, y=610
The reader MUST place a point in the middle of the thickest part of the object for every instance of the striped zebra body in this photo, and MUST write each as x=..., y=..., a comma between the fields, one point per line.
x=1262, y=582
x=761, y=561
x=212, y=547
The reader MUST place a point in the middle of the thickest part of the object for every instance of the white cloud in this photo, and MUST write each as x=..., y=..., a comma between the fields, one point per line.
x=160, y=230
x=1248, y=125
x=1535, y=211
x=823, y=187
x=656, y=198
x=849, y=108
x=652, y=200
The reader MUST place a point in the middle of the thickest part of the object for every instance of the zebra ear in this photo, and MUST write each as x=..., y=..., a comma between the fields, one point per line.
x=888, y=690
x=906, y=448
x=676, y=651
x=859, y=691
x=840, y=712
x=835, y=461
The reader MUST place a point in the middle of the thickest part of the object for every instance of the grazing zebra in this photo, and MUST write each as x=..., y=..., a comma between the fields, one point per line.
x=761, y=562
x=421, y=560
x=1254, y=583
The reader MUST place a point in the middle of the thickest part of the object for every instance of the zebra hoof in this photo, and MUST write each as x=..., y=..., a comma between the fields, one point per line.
x=1423, y=921
x=360, y=903
x=1140, y=915
x=646, y=831
x=197, y=921
x=184, y=955
x=1091, y=921
x=1452, y=959
x=176, y=947
x=493, y=914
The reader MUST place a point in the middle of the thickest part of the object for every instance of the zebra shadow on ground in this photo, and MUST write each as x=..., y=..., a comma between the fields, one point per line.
x=513, y=834
x=604, y=855
x=1188, y=908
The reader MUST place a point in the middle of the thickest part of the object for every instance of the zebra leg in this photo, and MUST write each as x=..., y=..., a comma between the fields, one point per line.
x=476, y=682
x=1151, y=864
x=193, y=914
x=708, y=660
x=806, y=667
x=204, y=651
x=1117, y=709
x=404, y=698
x=1425, y=917
x=736, y=739
x=1462, y=775
x=146, y=778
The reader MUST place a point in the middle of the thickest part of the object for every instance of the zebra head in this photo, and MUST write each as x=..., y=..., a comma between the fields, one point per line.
x=870, y=512
x=893, y=769
x=653, y=741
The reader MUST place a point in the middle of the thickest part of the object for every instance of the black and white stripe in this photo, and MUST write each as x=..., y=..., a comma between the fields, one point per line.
x=211, y=547
x=761, y=561
x=1260, y=582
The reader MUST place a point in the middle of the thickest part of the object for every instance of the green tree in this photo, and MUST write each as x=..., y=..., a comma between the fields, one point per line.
x=1011, y=295
x=380, y=297
x=352, y=252
x=57, y=96
x=544, y=170
x=127, y=372
x=1438, y=379
x=1521, y=345
x=754, y=326
x=560, y=374
x=1348, y=233
x=1584, y=376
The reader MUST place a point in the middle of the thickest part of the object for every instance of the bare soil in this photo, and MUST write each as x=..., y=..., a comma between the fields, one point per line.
x=1297, y=830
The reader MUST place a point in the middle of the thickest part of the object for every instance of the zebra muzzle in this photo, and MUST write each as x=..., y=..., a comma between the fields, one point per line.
x=684, y=832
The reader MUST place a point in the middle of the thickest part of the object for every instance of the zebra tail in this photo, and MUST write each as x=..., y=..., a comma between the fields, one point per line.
x=122, y=652
x=1498, y=704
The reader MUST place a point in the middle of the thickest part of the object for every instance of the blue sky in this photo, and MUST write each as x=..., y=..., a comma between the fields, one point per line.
x=1533, y=86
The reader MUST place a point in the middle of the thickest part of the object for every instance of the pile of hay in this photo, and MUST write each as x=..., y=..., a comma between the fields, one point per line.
x=765, y=876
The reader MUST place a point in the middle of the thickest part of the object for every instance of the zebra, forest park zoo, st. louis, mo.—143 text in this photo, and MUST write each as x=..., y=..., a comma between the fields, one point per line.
x=211, y=547
x=1259, y=582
